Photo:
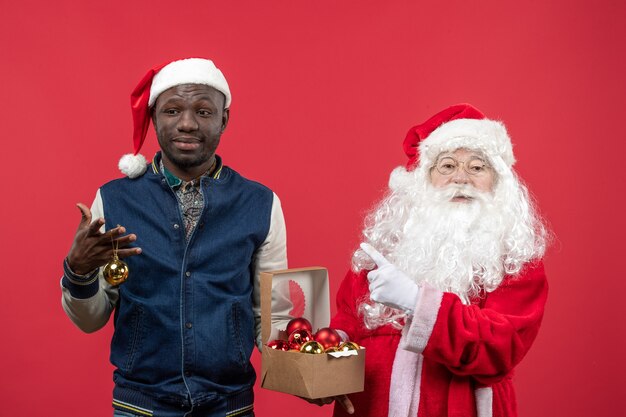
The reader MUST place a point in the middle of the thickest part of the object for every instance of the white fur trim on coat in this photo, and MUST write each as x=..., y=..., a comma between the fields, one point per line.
x=484, y=402
x=406, y=384
x=423, y=320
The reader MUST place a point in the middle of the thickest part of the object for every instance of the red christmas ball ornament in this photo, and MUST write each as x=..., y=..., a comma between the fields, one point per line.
x=328, y=337
x=297, y=324
x=279, y=344
x=299, y=337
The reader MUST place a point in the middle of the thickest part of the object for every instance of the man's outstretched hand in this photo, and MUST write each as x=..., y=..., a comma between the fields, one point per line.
x=92, y=249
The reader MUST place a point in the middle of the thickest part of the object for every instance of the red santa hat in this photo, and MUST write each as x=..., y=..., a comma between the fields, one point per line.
x=155, y=82
x=458, y=126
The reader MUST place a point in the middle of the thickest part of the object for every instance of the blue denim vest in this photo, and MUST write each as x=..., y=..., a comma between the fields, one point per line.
x=184, y=326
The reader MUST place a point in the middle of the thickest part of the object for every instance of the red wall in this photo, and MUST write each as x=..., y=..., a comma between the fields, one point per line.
x=323, y=93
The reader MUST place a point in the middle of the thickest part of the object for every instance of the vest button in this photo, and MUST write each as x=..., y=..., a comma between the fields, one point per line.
x=188, y=325
x=176, y=226
x=188, y=274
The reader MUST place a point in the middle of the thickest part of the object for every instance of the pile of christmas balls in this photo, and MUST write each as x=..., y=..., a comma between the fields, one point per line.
x=302, y=339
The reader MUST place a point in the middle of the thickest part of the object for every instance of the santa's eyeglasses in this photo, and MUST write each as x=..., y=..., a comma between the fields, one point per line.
x=448, y=165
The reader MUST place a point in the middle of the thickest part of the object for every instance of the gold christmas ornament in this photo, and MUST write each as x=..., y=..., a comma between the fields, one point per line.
x=349, y=346
x=312, y=347
x=116, y=271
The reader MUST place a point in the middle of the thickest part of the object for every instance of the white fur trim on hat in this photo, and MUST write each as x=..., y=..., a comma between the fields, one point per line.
x=488, y=136
x=133, y=165
x=189, y=71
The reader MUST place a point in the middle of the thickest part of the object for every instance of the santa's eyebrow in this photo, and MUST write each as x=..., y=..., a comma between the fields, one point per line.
x=473, y=154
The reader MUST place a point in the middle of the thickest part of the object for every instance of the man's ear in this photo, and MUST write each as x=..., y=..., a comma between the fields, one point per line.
x=225, y=117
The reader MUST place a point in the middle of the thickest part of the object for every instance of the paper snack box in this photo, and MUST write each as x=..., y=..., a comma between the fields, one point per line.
x=303, y=292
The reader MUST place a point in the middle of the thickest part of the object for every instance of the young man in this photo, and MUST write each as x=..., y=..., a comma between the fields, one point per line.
x=187, y=317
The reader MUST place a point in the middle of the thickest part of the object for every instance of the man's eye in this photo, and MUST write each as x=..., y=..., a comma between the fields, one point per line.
x=204, y=113
x=170, y=111
x=447, y=166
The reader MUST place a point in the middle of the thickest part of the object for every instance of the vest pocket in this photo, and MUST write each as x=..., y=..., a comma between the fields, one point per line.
x=236, y=335
x=127, y=338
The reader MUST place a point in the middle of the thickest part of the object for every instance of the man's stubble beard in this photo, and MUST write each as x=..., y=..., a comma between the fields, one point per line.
x=184, y=163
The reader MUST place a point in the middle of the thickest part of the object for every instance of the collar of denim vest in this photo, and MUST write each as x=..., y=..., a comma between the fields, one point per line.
x=173, y=181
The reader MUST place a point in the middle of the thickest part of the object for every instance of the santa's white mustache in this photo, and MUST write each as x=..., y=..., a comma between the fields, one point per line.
x=451, y=191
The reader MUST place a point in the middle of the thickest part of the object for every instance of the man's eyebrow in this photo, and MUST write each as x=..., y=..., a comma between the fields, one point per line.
x=174, y=98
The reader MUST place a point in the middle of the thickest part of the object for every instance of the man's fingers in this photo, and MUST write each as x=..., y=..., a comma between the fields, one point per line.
x=374, y=254
x=125, y=253
x=122, y=241
x=94, y=227
x=117, y=231
x=85, y=213
x=85, y=220
x=345, y=402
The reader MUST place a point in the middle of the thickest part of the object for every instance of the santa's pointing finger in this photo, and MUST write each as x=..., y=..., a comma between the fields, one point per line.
x=376, y=256
x=388, y=285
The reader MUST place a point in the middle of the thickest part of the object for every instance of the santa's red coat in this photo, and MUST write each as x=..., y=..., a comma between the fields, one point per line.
x=451, y=359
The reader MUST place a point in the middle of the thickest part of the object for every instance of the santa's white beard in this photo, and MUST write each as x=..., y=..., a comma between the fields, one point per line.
x=465, y=248
x=453, y=246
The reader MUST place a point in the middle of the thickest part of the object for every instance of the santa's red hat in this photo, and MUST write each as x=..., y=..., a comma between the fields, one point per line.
x=155, y=82
x=458, y=126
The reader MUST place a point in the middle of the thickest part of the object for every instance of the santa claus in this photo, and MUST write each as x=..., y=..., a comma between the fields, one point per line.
x=447, y=292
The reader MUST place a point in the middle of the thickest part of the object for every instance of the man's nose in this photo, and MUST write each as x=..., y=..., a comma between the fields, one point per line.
x=460, y=176
x=187, y=122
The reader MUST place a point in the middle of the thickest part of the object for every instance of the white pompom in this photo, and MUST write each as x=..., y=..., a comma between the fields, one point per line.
x=400, y=178
x=132, y=165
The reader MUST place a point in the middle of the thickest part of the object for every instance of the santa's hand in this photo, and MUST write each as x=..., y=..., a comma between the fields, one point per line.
x=388, y=285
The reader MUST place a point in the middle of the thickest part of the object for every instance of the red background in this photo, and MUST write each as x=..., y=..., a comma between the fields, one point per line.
x=323, y=93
